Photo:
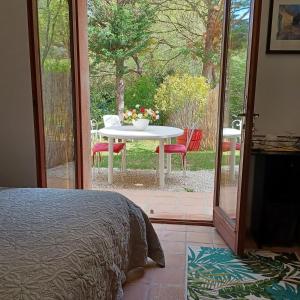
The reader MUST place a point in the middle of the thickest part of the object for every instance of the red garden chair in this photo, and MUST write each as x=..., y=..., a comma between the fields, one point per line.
x=226, y=146
x=179, y=149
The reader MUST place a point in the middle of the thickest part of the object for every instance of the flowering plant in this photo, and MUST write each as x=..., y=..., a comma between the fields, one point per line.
x=141, y=113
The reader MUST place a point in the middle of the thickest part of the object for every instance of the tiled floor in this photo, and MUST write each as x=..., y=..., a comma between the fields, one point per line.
x=157, y=203
x=173, y=205
x=169, y=283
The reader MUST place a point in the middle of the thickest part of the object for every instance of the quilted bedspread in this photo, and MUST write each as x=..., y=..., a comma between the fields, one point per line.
x=71, y=244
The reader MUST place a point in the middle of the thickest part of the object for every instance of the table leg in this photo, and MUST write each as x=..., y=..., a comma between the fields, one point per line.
x=232, y=159
x=110, y=160
x=161, y=163
x=169, y=159
x=124, y=156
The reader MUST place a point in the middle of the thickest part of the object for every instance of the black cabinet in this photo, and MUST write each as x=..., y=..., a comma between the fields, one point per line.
x=275, y=205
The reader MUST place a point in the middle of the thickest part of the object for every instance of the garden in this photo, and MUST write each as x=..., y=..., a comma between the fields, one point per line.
x=165, y=56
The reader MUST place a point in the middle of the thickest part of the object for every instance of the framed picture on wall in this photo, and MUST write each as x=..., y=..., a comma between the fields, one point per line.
x=284, y=27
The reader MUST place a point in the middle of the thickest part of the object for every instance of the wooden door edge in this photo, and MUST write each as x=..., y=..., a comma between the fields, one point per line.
x=243, y=191
x=221, y=103
x=79, y=42
x=225, y=227
x=37, y=95
x=237, y=235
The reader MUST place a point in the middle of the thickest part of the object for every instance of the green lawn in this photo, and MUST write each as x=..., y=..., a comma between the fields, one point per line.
x=141, y=155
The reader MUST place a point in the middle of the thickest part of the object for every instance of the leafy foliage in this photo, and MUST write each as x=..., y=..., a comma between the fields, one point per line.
x=102, y=100
x=119, y=29
x=54, y=30
x=132, y=43
x=57, y=65
x=240, y=10
x=141, y=91
x=236, y=82
x=181, y=98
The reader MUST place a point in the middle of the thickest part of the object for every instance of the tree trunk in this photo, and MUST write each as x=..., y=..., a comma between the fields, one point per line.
x=208, y=46
x=212, y=39
x=120, y=88
x=208, y=71
x=139, y=67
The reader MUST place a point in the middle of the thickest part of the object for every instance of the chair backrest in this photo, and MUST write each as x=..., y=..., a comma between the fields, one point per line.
x=237, y=124
x=94, y=124
x=111, y=120
x=190, y=133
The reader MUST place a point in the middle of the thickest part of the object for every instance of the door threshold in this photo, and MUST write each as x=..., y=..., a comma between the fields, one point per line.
x=182, y=222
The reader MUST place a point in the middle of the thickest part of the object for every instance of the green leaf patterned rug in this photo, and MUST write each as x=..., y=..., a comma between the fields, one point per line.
x=216, y=273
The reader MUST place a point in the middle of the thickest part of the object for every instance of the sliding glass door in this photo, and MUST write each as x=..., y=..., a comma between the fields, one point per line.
x=57, y=92
x=60, y=89
x=240, y=51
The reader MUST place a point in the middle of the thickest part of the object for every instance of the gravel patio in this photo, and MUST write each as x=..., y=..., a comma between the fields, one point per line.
x=194, y=181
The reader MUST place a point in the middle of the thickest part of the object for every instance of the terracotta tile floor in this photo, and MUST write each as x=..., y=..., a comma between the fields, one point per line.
x=163, y=204
x=173, y=205
x=169, y=283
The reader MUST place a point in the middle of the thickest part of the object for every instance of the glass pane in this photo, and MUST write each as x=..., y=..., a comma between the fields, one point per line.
x=234, y=102
x=172, y=64
x=54, y=35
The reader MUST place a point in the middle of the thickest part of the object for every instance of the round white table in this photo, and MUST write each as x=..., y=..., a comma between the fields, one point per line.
x=160, y=133
x=232, y=134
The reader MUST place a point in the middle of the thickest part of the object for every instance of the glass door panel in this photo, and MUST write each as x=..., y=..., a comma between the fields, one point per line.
x=239, y=67
x=238, y=34
x=57, y=91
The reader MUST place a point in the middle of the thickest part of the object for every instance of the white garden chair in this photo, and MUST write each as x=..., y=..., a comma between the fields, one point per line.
x=109, y=121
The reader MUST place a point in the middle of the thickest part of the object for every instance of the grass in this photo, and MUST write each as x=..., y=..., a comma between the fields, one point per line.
x=141, y=155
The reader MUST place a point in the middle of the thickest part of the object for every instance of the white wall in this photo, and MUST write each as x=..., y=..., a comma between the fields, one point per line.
x=17, y=142
x=278, y=88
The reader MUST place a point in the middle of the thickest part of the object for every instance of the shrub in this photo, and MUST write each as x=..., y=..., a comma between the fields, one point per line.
x=182, y=98
x=142, y=91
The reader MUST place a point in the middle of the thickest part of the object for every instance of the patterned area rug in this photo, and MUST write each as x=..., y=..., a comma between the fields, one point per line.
x=216, y=273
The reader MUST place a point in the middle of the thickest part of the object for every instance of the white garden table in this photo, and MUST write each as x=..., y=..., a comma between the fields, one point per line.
x=161, y=133
x=232, y=134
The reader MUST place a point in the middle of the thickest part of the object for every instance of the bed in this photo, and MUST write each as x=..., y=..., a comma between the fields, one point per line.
x=71, y=244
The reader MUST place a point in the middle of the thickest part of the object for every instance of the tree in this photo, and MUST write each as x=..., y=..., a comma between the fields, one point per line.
x=193, y=29
x=212, y=38
x=54, y=32
x=118, y=31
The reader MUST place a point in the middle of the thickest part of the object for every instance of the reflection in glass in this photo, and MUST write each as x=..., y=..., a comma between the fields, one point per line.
x=55, y=58
x=234, y=102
